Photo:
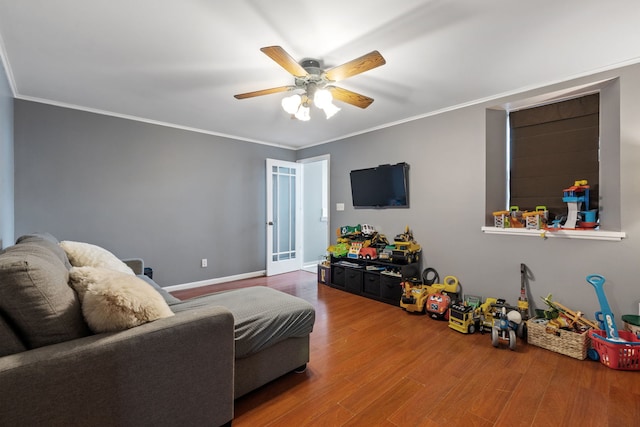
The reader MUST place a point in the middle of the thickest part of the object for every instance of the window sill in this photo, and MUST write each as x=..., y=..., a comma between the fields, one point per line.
x=559, y=234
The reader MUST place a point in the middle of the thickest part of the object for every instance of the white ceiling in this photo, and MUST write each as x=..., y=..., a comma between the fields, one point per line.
x=180, y=62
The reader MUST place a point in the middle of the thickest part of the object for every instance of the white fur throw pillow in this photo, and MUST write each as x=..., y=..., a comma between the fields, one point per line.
x=114, y=301
x=82, y=254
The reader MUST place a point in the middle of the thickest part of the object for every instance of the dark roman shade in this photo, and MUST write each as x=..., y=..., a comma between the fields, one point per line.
x=552, y=146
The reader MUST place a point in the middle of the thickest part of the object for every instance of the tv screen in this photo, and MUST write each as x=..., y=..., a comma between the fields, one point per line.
x=385, y=186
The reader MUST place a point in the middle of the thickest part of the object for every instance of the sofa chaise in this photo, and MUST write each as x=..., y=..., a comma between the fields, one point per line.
x=184, y=367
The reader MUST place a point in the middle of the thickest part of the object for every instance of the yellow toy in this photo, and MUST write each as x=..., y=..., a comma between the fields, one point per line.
x=414, y=297
x=486, y=312
x=415, y=293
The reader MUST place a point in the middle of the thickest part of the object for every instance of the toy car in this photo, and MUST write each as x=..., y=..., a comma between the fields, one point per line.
x=368, y=253
x=486, y=312
x=349, y=230
x=385, y=254
x=354, y=250
x=338, y=250
x=406, y=250
x=438, y=306
x=414, y=297
x=463, y=318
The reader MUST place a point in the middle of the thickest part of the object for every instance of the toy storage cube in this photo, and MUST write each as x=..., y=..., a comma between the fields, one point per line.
x=324, y=274
x=338, y=276
x=371, y=284
x=353, y=280
x=390, y=289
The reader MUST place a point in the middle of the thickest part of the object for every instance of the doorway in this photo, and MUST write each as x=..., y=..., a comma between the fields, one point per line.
x=315, y=211
x=297, y=214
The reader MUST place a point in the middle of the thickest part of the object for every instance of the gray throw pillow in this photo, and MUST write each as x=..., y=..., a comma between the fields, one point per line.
x=10, y=343
x=49, y=241
x=35, y=296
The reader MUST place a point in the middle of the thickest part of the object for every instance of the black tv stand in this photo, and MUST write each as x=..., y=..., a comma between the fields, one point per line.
x=375, y=279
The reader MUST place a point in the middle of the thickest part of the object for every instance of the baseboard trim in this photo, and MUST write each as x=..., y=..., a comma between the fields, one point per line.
x=310, y=267
x=216, y=281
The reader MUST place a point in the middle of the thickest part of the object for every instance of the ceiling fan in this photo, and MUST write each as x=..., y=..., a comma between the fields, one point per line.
x=316, y=83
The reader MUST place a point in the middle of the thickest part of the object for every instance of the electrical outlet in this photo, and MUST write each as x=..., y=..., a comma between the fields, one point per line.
x=203, y=263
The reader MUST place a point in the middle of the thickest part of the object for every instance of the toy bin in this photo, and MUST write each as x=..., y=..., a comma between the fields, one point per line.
x=561, y=341
x=619, y=355
x=324, y=273
x=632, y=323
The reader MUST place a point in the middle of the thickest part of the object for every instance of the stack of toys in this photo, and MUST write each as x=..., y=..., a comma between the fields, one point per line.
x=364, y=242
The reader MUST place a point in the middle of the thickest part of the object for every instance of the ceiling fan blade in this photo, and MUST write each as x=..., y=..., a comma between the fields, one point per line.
x=359, y=65
x=350, y=97
x=279, y=55
x=263, y=92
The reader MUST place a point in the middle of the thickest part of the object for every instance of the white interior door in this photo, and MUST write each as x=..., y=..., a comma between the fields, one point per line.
x=284, y=251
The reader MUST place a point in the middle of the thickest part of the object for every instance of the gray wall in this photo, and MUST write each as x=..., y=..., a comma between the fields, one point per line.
x=448, y=180
x=174, y=197
x=6, y=161
x=169, y=196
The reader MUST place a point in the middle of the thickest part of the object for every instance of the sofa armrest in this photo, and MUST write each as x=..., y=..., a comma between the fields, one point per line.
x=174, y=371
x=136, y=264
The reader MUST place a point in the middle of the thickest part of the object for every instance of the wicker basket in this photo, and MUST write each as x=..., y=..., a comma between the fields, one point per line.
x=561, y=341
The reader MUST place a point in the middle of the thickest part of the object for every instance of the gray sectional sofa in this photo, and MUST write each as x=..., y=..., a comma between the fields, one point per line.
x=185, y=369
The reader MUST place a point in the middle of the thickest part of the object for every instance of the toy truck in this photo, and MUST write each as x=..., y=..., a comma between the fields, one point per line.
x=438, y=306
x=414, y=296
x=368, y=252
x=463, y=318
x=486, y=312
x=406, y=250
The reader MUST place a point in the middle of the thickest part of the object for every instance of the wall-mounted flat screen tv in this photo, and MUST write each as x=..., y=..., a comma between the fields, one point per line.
x=385, y=186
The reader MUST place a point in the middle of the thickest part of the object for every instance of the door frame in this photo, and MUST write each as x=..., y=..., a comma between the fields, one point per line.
x=295, y=263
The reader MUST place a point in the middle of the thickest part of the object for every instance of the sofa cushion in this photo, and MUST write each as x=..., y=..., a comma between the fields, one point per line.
x=49, y=241
x=170, y=299
x=262, y=316
x=114, y=301
x=10, y=343
x=35, y=296
x=83, y=254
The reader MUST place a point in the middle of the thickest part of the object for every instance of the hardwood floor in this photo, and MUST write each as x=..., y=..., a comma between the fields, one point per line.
x=373, y=364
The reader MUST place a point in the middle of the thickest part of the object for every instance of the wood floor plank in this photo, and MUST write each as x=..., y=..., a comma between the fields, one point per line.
x=372, y=364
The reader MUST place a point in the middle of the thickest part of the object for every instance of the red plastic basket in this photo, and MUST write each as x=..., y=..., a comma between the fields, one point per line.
x=617, y=354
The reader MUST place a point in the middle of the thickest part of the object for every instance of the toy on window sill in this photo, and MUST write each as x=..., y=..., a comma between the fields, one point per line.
x=537, y=219
x=574, y=197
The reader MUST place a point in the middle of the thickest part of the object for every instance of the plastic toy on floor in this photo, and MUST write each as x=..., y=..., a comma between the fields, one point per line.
x=415, y=293
x=504, y=327
x=438, y=303
x=615, y=349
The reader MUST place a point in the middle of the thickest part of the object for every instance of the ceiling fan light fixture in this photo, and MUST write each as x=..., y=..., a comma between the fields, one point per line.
x=291, y=104
x=330, y=110
x=303, y=113
x=322, y=98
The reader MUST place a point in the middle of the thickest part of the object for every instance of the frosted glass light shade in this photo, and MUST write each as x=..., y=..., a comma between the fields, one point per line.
x=303, y=113
x=291, y=103
x=330, y=110
x=322, y=98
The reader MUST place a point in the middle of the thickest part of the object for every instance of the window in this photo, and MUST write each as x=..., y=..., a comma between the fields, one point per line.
x=551, y=147
x=497, y=156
